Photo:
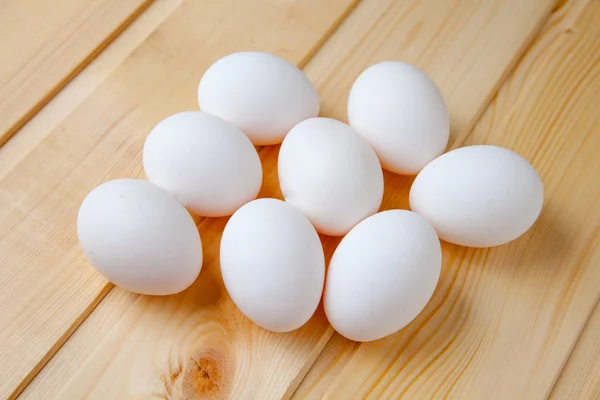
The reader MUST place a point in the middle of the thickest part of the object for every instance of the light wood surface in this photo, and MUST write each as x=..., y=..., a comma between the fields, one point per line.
x=67, y=361
x=580, y=379
x=502, y=322
x=84, y=83
x=337, y=352
x=101, y=139
x=45, y=43
x=48, y=382
x=432, y=46
x=335, y=67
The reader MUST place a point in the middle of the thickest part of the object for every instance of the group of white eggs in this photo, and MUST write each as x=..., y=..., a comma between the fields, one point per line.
x=140, y=236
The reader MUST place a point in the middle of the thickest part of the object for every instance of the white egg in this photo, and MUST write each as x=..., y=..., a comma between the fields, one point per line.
x=382, y=275
x=401, y=112
x=478, y=196
x=139, y=237
x=331, y=174
x=262, y=94
x=272, y=264
x=204, y=161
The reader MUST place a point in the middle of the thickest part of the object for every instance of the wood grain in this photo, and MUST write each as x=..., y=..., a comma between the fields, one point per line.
x=580, y=379
x=45, y=44
x=50, y=288
x=48, y=382
x=504, y=320
x=387, y=24
x=80, y=345
x=83, y=84
x=445, y=39
x=439, y=41
x=506, y=314
x=196, y=345
x=330, y=363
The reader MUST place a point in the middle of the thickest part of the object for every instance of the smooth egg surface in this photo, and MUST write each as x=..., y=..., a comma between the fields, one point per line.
x=262, y=94
x=272, y=264
x=204, y=161
x=478, y=196
x=382, y=275
x=402, y=113
x=139, y=237
x=331, y=174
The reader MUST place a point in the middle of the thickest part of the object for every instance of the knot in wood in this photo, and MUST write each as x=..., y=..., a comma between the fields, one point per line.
x=205, y=375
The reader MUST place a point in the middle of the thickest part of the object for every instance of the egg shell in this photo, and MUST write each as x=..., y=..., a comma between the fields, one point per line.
x=478, y=196
x=402, y=113
x=331, y=174
x=204, y=161
x=139, y=237
x=264, y=95
x=272, y=264
x=382, y=275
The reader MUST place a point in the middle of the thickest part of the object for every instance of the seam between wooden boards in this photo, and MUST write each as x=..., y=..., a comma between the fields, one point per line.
x=83, y=84
x=589, y=384
x=59, y=343
x=539, y=31
x=62, y=81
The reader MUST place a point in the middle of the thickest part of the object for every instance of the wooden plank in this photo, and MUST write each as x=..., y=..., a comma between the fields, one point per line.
x=48, y=382
x=504, y=320
x=50, y=288
x=84, y=83
x=580, y=379
x=375, y=30
x=45, y=44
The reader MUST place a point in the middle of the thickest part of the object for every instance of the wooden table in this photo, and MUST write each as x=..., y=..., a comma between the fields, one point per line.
x=83, y=81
